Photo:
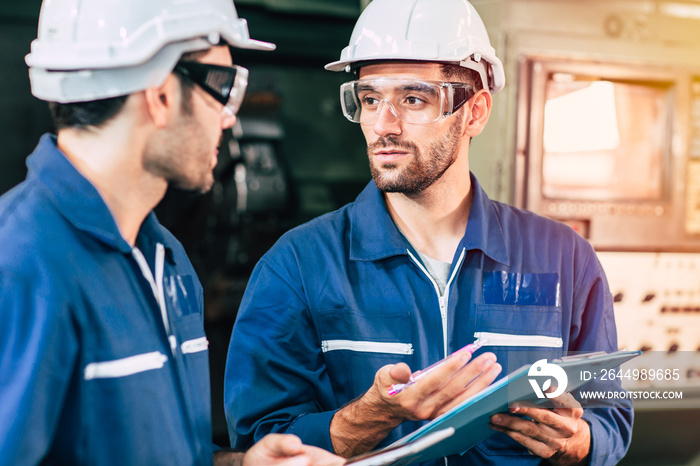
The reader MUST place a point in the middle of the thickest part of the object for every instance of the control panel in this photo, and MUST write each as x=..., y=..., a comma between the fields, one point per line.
x=656, y=298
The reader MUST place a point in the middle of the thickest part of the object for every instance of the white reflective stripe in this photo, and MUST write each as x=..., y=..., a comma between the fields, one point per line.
x=125, y=366
x=367, y=346
x=195, y=346
x=508, y=339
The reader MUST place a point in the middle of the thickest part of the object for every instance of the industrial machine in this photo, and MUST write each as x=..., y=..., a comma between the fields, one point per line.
x=599, y=127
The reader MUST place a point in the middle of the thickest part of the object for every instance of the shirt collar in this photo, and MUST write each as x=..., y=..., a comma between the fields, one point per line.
x=77, y=198
x=374, y=236
x=484, y=230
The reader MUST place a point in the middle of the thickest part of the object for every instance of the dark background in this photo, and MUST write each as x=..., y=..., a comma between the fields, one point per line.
x=294, y=152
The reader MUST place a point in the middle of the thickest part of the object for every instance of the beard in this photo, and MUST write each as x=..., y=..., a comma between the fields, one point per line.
x=183, y=158
x=422, y=170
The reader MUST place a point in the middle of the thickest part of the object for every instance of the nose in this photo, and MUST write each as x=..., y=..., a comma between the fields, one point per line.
x=388, y=121
x=228, y=119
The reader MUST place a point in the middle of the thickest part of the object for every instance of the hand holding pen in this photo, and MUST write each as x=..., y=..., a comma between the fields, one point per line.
x=376, y=413
x=397, y=388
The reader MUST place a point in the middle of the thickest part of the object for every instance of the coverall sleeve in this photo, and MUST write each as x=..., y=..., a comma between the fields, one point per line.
x=38, y=348
x=276, y=379
x=593, y=329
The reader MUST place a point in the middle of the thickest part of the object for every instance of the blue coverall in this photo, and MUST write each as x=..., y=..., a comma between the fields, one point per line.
x=341, y=296
x=88, y=372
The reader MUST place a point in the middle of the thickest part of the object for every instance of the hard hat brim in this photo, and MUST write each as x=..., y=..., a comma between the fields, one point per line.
x=252, y=44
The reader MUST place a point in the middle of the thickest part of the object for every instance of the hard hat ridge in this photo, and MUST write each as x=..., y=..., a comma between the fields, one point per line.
x=92, y=49
x=444, y=31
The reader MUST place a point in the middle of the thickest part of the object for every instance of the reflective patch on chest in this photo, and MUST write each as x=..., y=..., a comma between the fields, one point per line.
x=521, y=289
x=181, y=292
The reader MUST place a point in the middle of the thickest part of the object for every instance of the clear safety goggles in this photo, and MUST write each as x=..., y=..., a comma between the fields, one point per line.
x=409, y=100
x=227, y=84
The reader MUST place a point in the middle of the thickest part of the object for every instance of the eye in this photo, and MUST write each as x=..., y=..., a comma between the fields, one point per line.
x=414, y=101
x=369, y=101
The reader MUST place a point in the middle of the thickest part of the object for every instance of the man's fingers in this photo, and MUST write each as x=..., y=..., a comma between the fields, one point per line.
x=439, y=376
x=474, y=371
x=540, y=439
x=534, y=446
x=319, y=457
x=455, y=387
x=399, y=373
x=529, y=427
x=440, y=389
x=566, y=401
x=283, y=445
x=559, y=434
x=467, y=385
x=566, y=409
x=456, y=371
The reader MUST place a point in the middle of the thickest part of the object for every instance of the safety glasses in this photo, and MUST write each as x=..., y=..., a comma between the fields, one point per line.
x=412, y=101
x=226, y=84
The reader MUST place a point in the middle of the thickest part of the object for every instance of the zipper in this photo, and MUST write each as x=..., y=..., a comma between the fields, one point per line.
x=367, y=346
x=156, y=281
x=507, y=339
x=125, y=366
x=444, y=299
x=157, y=285
x=195, y=346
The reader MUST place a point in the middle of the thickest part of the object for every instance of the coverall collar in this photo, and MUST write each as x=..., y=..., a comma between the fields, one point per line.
x=484, y=230
x=78, y=200
x=374, y=235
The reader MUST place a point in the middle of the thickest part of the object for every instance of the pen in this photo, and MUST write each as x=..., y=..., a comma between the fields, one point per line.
x=398, y=387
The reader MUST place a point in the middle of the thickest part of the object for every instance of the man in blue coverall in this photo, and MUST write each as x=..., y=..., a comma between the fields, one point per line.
x=103, y=357
x=421, y=264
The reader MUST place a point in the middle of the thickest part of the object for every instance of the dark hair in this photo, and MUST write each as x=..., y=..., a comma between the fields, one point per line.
x=96, y=113
x=83, y=114
x=456, y=73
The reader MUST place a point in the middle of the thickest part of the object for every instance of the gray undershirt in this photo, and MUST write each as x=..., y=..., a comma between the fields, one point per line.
x=439, y=270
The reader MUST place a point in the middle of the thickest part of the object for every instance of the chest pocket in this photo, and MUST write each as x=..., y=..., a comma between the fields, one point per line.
x=181, y=292
x=521, y=317
x=520, y=335
x=521, y=322
x=188, y=323
x=355, y=345
x=188, y=326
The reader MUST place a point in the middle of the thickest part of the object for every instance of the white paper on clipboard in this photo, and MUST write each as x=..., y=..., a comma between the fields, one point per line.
x=401, y=454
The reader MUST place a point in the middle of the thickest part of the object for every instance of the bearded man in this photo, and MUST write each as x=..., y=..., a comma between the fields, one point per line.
x=421, y=264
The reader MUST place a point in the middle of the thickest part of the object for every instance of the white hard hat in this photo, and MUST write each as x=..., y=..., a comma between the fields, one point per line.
x=445, y=31
x=94, y=49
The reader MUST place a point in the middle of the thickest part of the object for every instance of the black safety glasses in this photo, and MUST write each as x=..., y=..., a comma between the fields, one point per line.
x=226, y=84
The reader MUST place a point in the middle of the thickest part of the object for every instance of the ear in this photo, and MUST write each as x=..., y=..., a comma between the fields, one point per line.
x=479, y=109
x=162, y=101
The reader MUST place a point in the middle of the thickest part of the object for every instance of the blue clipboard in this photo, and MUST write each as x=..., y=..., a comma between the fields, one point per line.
x=470, y=419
